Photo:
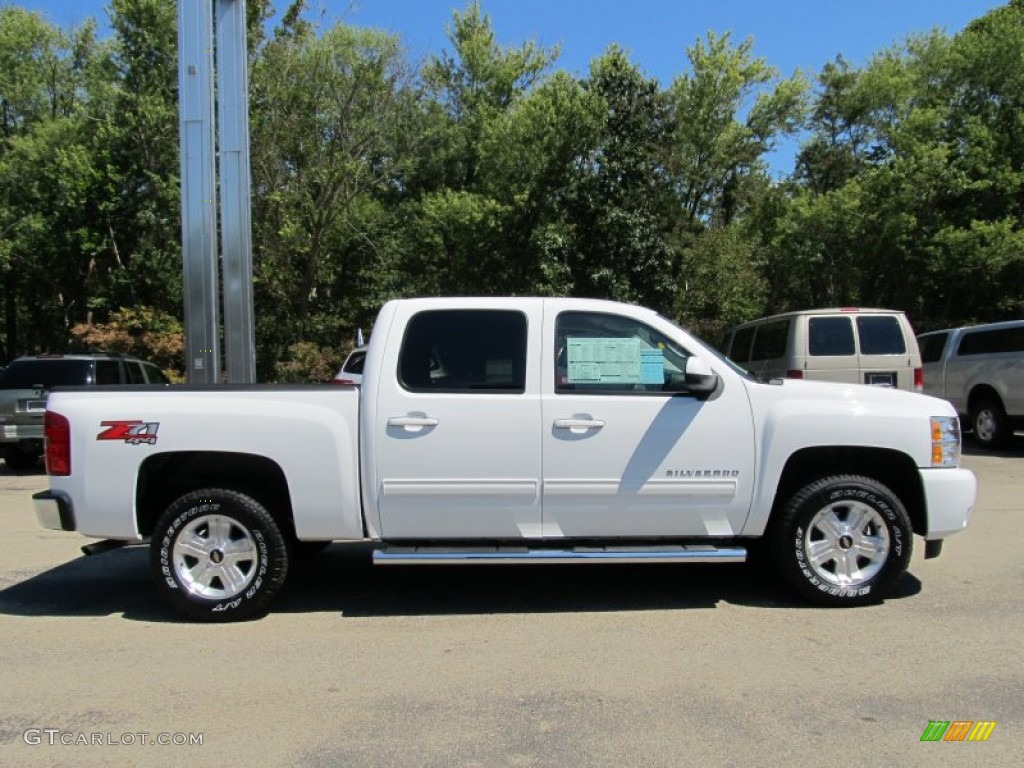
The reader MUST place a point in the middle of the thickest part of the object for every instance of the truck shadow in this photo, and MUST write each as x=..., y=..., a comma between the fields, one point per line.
x=357, y=588
x=117, y=582
x=342, y=580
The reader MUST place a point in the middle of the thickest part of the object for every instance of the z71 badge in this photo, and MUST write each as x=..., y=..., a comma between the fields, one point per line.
x=131, y=432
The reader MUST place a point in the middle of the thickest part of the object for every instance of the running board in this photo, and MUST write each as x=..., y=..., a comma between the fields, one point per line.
x=521, y=555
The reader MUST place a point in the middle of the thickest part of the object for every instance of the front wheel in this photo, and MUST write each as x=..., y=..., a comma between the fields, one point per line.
x=218, y=555
x=843, y=540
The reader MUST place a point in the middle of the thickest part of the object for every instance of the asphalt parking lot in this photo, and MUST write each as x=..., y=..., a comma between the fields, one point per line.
x=489, y=666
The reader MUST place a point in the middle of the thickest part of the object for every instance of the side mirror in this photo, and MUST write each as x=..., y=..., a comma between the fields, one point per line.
x=699, y=377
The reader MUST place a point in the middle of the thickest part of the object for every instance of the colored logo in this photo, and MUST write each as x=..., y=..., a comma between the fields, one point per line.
x=131, y=432
x=958, y=730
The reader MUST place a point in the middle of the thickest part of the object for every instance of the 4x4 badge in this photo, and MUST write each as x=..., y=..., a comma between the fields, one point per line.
x=131, y=432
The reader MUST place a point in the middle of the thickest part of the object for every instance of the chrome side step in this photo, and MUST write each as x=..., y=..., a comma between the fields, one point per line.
x=521, y=555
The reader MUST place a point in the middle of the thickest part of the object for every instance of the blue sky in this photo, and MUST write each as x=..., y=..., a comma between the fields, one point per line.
x=789, y=34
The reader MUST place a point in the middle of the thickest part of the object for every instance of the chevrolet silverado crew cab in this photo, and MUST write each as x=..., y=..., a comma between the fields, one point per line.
x=520, y=430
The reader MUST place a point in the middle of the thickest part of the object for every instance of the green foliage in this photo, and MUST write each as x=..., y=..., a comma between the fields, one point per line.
x=912, y=179
x=306, y=363
x=473, y=84
x=721, y=283
x=716, y=151
x=329, y=114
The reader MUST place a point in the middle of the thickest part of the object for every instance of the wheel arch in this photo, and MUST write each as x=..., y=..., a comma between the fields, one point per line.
x=894, y=469
x=980, y=393
x=165, y=477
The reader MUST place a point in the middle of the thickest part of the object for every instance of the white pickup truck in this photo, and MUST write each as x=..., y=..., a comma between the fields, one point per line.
x=510, y=430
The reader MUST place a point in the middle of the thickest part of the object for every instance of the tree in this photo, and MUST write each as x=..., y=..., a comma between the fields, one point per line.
x=328, y=114
x=138, y=256
x=46, y=168
x=717, y=151
x=473, y=85
x=467, y=231
x=911, y=185
x=615, y=200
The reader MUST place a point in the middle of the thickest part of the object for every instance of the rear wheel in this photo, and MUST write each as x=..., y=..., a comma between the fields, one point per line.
x=842, y=541
x=218, y=555
x=988, y=424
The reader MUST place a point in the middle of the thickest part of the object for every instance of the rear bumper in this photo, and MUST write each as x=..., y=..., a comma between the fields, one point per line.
x=54, y=511
x=949, y=496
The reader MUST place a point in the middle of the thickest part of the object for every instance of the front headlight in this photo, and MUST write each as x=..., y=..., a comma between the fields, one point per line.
x=945, y=441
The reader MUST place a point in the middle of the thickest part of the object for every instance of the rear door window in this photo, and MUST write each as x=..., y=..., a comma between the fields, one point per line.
x=992, y=342
x=830, y=336
x=480, y=351
x=881, y=335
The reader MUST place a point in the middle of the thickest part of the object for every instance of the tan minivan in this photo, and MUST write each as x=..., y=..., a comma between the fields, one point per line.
x=850, y=345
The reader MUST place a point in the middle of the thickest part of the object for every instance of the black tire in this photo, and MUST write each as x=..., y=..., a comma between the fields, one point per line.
x=18, y=460
x=842, y=541
x=988, y=424
x=218, y=555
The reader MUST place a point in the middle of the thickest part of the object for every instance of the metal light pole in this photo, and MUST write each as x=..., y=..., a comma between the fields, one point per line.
x=198, y=185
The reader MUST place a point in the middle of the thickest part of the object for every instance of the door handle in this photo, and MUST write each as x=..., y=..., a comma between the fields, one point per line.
x=412, y=421
x=578, y=424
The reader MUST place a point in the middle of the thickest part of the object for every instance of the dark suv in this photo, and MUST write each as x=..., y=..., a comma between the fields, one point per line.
x=25, y=383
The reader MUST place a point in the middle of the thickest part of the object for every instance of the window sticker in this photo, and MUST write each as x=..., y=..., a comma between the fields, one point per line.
x=612, y=361
x=652, y=366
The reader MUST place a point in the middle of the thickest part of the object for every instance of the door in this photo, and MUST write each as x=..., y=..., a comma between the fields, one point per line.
x=458, y=424
x=831, y=349
x=624, y=457
x=885, y=359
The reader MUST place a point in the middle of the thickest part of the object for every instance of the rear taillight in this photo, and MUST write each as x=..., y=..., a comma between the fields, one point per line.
x=794, y=374
x=919, y=379
x=57, y=431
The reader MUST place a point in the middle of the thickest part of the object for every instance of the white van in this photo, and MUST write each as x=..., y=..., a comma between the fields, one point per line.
x=849, y=345
x=980, y=370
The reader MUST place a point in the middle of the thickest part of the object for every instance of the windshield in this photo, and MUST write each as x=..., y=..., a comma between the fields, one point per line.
x=30, y=374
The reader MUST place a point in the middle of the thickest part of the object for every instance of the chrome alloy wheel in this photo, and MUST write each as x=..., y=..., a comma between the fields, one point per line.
x=847, y=543
x=215, y=557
